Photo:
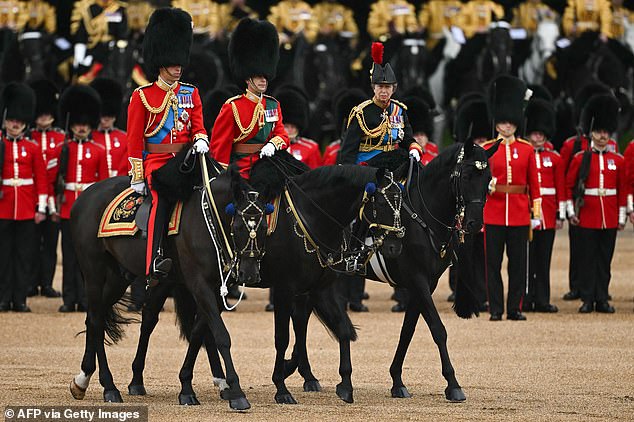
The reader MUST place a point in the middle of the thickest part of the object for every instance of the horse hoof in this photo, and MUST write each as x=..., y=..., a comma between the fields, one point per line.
x=136, y=390
x=455, y=395
x=286, y=398
x=112, y=396
x=401, y=393
x=240, y=404
x=188, y=400
x=76, y=391
x=345, y=394
x=224, y=395
x=312, y=386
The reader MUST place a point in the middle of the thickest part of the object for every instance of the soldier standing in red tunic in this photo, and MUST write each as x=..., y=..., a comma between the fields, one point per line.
x=596, y=182
x=507, y=212
x=163, y=118
x=74, y=165
x=23, y=194
x=249, y=126
x=113, y=139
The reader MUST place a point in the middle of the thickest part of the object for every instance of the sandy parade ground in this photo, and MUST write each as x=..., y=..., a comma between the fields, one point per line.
x=563, y=366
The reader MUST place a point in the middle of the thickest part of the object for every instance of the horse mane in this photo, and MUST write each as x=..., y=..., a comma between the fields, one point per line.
x=269, y=176
x=334, y=175
x=446, y=158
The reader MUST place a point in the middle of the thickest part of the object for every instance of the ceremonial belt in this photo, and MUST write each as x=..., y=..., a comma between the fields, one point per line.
x=547, y=191
x=165, y=148
x=384, y=148
x=600, y=192
x=247, y=148
x=17, y=182
x=77, y=187
x=511, y=188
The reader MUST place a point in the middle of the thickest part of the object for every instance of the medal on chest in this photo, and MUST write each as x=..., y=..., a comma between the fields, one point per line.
x=23, y=152
x=611, y=164
x=88, y=154
x=547, y=162
x=117, y=144
x=515, y=154
x=271, y=115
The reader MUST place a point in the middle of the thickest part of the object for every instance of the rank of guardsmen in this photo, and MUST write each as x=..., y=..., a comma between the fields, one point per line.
x=93, y=89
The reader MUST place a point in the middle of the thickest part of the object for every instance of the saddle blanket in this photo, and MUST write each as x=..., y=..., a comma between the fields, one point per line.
x=119, y=217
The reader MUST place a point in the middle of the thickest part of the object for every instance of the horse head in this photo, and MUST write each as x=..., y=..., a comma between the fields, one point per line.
x=499, y=49
x=544, y=41
x=381, y=209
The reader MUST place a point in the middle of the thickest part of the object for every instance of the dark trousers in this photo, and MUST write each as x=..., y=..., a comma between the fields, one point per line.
x=401, y=295
x=540, y=253
x=352, y=288
x=595, y=251
x=17, y=254
x=515, y=239
x=573, y=265
x=47, y=237
x=72, y=280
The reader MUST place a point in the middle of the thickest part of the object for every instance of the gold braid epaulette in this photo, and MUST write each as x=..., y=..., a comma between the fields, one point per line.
x=170, y=97
x=377, y=132
x=258, y=113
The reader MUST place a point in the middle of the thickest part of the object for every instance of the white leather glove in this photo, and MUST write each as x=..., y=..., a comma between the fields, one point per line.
x=138, y=187
x=536, y=223
x=267, y=150
x=201, y=146
x=414, y=154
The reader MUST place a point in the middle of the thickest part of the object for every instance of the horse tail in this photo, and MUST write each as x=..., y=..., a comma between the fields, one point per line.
x=185, y=307
x=113, y=321
x=330, y=311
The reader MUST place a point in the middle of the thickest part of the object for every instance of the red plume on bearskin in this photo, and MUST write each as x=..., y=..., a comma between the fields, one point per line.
x=377, y=52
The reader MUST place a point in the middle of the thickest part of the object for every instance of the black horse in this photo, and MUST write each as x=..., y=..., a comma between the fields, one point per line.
x=110, y=264
x=310, y=241
x=443, y=205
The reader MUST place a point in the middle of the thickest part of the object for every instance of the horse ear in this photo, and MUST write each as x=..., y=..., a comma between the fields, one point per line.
x=237, y=183
x=493, y=149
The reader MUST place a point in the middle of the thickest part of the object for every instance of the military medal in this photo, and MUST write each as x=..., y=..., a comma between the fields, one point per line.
x=185, y=115
x=401, y=134
x=515, y=156
x=179, y=126
x=116, y=143
x=23, y=152
x=51, y=145
x=611, y=165
x=88, y=153
x=547, y=162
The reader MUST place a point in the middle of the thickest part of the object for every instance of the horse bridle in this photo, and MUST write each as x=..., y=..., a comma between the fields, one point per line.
x=252, y=221
x=397, y=227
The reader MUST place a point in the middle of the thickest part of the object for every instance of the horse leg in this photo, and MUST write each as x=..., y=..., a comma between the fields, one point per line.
x=79, y=384
x=283, y=304
x=300, y=317
x=150, y=317
x=187, y=396
x=453, y=392
x=219, y=378
x=410, y=319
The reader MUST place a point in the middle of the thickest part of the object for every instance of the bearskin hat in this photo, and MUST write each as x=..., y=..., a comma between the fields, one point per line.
x=204, y=70
x=507, y=98
x=585, y=93
x=81, y=105
x=540, y=91
x=111, y=94
x=601, y=112
x=294, y=108
x=254, y=50
x=212, y=103
x=18, y=102
x=472, y=121
x=420, y=116
x=46, y=97
x=423, y=94
x=168, y=39
x=468, y=97
x=540, y=117
x=380, y=73
x=343, y=104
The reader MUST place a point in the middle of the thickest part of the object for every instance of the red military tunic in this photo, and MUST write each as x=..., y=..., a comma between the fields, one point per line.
x=428, y=154
x=566, y=152
x=552, y=188
x=245, y=123
x=115, y=143
x=330, y=155
x=24, y=181
x=306, y=151
x=549, y=146
x=86, y=165
x=47, y=140
x=629, y=174
x=431, y=148
x=513, y=169
x=605, y=190
x=152, y=123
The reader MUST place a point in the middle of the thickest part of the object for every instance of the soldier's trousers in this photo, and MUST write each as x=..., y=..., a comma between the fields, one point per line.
x=595, y=249
x=352, y=288
x=17, y=252
x=515, y=239
x=72, y=280
x=47, y=237
x=540, y=254
x=573, y=265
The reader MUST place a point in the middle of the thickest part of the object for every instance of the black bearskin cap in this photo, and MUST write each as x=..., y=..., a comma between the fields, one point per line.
x=540, y=117
x=212, y=103
x=111, y=94
x=294, y=107
x=204, y=71
x=420, y=116
x=81, y=104
x=343, y=104
x=540, y=91
x=585, y=93
x=18, y=102
x=507, y=98
x=46, y=97
x=168, y=39
x=423, y=94
x=600, y=113
x=254, y=50
x=472, y=121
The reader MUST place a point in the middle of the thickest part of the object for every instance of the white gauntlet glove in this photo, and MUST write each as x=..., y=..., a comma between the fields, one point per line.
x=201, y=146
x=267, y=150
x=536, y=223
x=413, y=153
x=138, y=187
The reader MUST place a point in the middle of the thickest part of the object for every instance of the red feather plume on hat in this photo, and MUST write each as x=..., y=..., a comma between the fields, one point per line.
x=377, y=52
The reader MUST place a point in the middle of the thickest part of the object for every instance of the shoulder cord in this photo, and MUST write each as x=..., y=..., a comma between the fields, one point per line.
x=169, y=99
x=256, y=118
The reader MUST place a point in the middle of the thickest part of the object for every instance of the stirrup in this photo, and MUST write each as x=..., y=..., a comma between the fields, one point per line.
x=161, y=266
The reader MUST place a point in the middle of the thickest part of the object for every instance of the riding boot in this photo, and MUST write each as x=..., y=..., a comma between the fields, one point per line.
x=355, y=261
x=160, y=265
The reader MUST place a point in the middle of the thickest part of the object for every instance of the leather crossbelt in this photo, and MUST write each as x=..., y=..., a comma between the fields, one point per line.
x=511, y=188
x=247, y=148
x=165, y=148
